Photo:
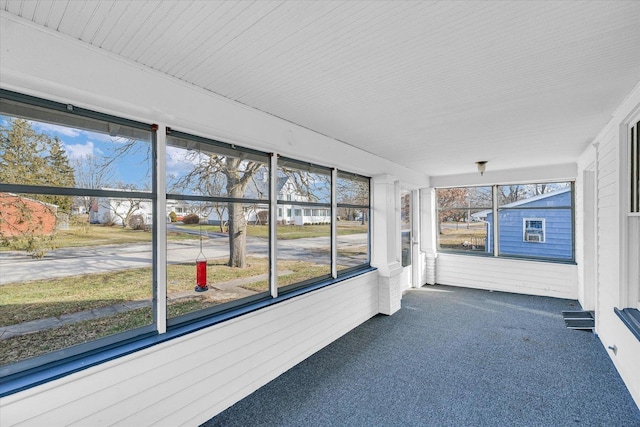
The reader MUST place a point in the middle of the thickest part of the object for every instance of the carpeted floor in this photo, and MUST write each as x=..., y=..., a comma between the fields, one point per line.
x=450, y=357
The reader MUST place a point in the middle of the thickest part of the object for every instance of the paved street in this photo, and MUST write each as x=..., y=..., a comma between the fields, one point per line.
x=18, y=267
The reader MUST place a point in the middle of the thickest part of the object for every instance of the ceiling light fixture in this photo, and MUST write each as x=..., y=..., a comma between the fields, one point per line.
x=482, y=165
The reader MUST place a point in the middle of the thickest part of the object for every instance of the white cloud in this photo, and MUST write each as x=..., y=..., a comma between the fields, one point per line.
x=75, y=151
x=180, y=160
x=61, y=130
x=103, y=137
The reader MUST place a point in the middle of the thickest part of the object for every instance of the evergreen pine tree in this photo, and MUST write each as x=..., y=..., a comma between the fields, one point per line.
x=20, y=158
x=59, y=173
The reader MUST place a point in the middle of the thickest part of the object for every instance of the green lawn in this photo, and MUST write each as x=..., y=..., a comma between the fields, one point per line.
x=98, y=235
x=454, y=236
x=288, y=232
x=28, y=301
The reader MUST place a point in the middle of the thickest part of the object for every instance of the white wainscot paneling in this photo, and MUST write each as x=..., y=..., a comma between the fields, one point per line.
x=188, y=380
x=508, y=275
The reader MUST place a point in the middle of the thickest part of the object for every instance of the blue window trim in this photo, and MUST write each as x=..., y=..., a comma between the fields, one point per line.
x=24, y=380
x=631, y=318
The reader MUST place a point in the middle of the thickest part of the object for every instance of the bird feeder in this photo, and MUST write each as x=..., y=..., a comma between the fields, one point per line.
x=201, y=274
x=201, y=268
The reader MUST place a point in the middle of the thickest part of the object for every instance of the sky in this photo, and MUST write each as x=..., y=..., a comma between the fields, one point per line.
x=133, y=169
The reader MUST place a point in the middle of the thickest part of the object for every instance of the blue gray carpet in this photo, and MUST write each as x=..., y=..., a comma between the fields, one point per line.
x=450, y=357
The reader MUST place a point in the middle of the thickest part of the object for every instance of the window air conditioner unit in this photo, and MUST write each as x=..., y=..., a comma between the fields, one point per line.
x=533, y=237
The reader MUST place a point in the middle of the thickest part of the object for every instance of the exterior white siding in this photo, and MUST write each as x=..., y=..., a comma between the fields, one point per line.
x=188, y=380
x=508, y=275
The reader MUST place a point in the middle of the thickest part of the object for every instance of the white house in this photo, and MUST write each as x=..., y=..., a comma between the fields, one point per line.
x=543, y=91
x=290, y=213
x=112, y=210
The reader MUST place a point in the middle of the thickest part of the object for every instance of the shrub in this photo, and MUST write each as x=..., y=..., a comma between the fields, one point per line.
x=34, y=244
x=136, y=222
x=191, y=219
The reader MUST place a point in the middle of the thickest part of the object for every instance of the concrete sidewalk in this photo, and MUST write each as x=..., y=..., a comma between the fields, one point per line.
x=223, y=291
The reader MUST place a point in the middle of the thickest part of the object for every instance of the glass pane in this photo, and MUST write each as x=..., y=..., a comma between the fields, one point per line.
x=230, y=269
x=67, y=280
x=464, y=230
x=304, y=245
x=405, y=228
x=535, y=195
x=464, y=197
x=200, y=169
x=303, y=186
x=352, y=190
x=54, y=155
x=353, y=237
x=463, y=223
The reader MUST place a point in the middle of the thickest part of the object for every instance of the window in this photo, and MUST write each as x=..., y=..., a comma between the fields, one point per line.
x=464, y=219
x=231, y=236
x=352, y=228
x=76, y=213
x=83, y=232
x=630, y=285
x=304, y=249
x=534, y=221
x=533, y=230
x=405, y=228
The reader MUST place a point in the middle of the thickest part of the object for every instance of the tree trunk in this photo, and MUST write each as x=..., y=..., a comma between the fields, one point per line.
x=237, y=221
x=237, y=236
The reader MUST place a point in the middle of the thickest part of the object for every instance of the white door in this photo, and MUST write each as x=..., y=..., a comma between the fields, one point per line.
x=406, y=238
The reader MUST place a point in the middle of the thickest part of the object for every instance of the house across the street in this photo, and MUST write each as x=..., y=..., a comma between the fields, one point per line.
x=19, y=214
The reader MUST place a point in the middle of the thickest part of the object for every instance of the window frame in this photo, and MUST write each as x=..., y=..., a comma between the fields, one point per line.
x=29, y=372
x=24, y=106
x=340, y=174
x=629, y=140
x=493, y=232
x=490, y=228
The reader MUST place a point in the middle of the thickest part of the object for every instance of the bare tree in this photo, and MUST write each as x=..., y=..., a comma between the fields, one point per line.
x=93, y=173
x=124, y=208
x=451, y=204
x=210, y=174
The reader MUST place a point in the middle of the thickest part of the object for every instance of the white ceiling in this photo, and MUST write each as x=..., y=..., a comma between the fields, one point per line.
x=434, y=86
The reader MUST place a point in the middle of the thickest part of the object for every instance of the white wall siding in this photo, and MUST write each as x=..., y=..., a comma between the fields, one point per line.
x=188, y=380
x=508, y=275
x=611, y=218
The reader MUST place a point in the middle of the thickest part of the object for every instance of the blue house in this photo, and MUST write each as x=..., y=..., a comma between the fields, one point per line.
x=539, y=226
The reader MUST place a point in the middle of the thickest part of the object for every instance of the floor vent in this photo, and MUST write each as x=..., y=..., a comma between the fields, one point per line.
x=579, y=320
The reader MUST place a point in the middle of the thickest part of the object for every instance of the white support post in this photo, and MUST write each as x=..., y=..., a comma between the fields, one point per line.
x=416, y=258
x=161, y=229
x=496, y=227
x=429, y=230
x=334, y=224
x=273, y=225
x=385, y=245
